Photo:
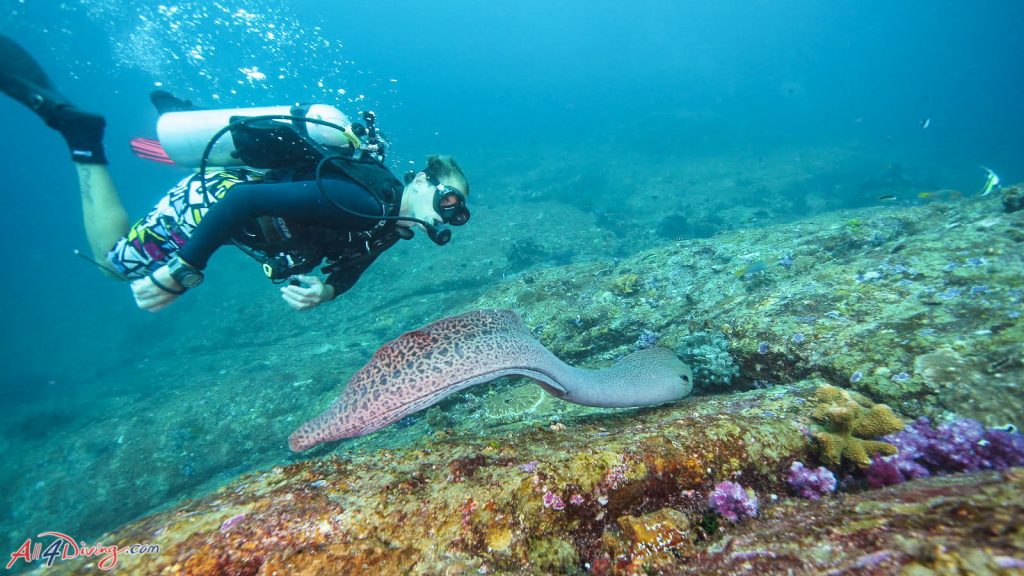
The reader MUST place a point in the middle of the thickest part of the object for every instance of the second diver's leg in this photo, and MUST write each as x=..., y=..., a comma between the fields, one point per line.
x=24, y=80
x=106, y=220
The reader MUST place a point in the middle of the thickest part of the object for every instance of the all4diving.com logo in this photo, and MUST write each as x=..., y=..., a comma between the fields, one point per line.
x=64, y=547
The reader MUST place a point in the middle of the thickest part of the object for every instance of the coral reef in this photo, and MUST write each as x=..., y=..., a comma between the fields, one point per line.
x=916, y=306
x=849, y=424
x=626, y=285
x=958, y=446
x=950, y=525
x=810, y=483
x=733, y=502
x=537, y=501
x=619, y=495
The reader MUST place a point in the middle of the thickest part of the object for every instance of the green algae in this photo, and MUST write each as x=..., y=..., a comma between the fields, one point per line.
x=553, y=555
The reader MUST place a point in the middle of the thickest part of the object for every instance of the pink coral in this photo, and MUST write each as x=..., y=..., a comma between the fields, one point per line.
x=732, y=501
x=811, y=483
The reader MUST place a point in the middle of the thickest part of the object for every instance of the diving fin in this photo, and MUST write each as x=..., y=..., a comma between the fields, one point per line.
x=149, y=149
x=165, y=102
x=23, y=79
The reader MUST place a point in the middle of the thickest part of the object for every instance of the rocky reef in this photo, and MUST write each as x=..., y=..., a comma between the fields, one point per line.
x=614, y=494
x=917, y=308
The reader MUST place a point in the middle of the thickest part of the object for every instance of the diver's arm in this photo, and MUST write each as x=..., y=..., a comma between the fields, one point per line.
x=306, y=292
x=300, y=202
x=343, y=278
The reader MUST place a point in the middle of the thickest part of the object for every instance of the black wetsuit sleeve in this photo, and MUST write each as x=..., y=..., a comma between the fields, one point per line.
x=343, y=278
x=300, y=202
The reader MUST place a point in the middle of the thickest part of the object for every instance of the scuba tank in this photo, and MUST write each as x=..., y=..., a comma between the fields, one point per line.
x=305, y=137
x=185, y=135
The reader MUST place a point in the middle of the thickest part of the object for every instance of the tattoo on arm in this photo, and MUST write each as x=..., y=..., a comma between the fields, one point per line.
x=85, y=184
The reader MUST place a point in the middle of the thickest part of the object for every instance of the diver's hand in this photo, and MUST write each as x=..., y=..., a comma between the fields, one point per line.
x=152, y=298
x=309, y=293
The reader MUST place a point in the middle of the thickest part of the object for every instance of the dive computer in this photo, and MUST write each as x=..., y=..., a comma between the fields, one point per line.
x=183, y=273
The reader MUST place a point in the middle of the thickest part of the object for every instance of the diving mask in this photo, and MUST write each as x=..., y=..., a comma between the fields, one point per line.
x=449, y=203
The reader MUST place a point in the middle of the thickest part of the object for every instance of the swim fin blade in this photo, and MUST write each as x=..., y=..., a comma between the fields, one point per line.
x=148, y=149
x=165, y=102
x=24, y=80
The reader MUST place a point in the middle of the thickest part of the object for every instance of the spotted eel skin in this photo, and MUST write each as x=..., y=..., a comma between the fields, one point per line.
x=419, y=368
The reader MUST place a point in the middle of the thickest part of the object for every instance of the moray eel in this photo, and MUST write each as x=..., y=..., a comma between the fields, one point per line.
x=419, y=368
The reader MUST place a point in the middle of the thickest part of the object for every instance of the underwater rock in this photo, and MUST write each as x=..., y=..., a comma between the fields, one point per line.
x=1013, y=198
x=467, y=505
x=865, y=293
x=884, y=299
x=657, y=537
x=962, y=524
x=478, y=503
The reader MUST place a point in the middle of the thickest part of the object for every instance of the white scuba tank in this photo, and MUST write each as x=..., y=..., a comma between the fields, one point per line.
x=184, y=135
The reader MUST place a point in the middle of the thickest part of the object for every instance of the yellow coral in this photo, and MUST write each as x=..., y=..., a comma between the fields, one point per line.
x=626, y=285
x=849, y=422
x=829, y=394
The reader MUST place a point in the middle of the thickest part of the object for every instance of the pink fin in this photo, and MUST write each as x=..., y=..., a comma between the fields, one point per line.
x=148, y=149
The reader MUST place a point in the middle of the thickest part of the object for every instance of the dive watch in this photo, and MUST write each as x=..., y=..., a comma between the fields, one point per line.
x=184, y=273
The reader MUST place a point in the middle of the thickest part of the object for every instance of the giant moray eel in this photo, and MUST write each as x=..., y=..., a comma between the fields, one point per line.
x=419, y=368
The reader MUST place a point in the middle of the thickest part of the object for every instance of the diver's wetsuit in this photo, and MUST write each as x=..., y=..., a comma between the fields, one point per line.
x=234, y=200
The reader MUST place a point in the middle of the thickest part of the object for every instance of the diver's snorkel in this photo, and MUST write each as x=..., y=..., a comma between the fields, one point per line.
x=439, y=237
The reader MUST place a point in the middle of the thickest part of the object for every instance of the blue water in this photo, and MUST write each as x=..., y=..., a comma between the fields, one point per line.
x=503, y=86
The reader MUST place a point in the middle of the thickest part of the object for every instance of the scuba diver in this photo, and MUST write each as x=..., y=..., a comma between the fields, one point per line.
x=294, y=187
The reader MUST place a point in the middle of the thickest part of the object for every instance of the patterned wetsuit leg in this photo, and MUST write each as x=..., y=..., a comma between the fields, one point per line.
x=156, y=237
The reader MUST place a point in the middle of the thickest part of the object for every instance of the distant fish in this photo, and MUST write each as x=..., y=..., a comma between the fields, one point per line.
x=887, y=197
x=751, y=268
x=926, y=123
x=944, y=194
x=991, y=182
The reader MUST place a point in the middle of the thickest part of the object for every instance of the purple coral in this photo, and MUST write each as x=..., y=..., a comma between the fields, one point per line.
x=732, y=501
x=529, y=467
x=811, y=483
x=227, y=524
x=553, y=501
x=957, y=446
